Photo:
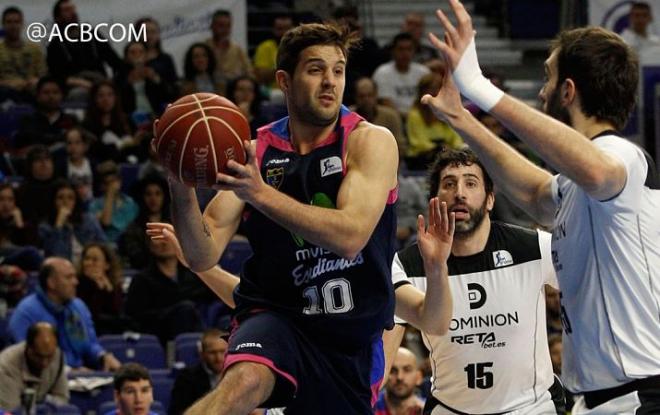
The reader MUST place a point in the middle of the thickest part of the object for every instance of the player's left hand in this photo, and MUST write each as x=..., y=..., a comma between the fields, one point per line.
x=435, y=240
x=446, y=104
x=246, y=181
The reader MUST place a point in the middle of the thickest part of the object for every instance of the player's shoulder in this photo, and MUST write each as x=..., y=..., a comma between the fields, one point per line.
x=519, y=241
x=370, y=137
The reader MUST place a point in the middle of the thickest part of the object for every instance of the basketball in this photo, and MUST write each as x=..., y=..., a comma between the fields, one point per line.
x=197, y=135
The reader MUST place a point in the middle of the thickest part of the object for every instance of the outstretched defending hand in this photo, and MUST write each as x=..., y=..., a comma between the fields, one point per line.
x=460, y=52
x=435, y=240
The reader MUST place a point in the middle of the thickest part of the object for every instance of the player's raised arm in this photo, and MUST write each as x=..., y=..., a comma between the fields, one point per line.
x=568, y=151
x=371, y=166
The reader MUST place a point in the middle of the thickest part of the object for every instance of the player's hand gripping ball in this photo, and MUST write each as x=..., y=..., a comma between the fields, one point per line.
x=197, y=135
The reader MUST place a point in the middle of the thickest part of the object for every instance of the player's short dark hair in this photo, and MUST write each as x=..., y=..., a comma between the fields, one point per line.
x=454, y=158
x=312, y=34
x=221, y=13
x=605, y=71
x=130, y=372
x=11, y=10
x=402, y=37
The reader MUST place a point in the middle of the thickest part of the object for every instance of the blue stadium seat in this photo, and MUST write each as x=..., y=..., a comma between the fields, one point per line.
x=50, y=409
x=163, y=390
x=186, y=348
x=109, y=407
x=129, y=175
x=134, y=347
x=89, y=401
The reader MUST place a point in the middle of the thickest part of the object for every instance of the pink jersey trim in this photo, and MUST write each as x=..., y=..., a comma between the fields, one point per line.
x=375, y=389
x=394, y=195
x=247, y=357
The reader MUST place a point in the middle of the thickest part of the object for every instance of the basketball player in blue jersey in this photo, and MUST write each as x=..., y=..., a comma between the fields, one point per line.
x=316, y=295
x=602, y=206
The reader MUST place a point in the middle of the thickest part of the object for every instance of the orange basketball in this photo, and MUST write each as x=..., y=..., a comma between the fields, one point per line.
x=197, y=135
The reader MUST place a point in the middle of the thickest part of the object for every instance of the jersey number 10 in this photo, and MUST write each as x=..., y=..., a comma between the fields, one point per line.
x=478, y=377
x=336, y=298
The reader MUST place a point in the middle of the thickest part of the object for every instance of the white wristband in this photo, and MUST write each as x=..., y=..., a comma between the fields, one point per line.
x=472, y=83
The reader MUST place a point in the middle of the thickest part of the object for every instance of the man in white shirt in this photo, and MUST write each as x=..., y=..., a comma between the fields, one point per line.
x=397, y=79
x=637, y=34
x=602, y=204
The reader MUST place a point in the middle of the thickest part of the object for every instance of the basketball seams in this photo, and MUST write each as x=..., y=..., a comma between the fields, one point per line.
x=230, y=128
x=210, y=137
x=192, y=102
x=183, y=148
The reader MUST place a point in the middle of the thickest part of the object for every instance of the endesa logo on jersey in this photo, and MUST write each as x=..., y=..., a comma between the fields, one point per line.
x=502, y=258
x=330, y=165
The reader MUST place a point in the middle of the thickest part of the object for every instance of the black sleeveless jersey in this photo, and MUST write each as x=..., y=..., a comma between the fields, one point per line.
x=341, y=302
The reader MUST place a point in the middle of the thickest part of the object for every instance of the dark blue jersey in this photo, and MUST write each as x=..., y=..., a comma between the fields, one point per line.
x=335, y=300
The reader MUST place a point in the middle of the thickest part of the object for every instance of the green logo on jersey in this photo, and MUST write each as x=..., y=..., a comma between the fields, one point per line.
x=321, y=200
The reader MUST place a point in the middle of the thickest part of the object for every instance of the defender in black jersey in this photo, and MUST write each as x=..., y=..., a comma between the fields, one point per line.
x=316, y=197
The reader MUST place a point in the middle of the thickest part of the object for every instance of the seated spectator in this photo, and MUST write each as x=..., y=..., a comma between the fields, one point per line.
x=13, y=226
x=106, y=119
x=366, y=104
x=143, y=92
x=158, y=60
x=265, y=56
x=397, y=79
x=400, y=395
x=78, y=65
x=21, y=63
x=426, y=133
x=35, y=193
x=134, y=392
x=195, y=381
x=100, y=287
x=48, y=123
x=153, y=197
x=173, y=311
x=75, y=165
x=231, y=60
x=55, y=302
x=414, y=25
x=638, y=34
x=553, y=311
x=13, y=287
x=113, y=209
x=36, y=363
x=244, y=92
x=199, y=71
x=68, y=228
x=412, y=201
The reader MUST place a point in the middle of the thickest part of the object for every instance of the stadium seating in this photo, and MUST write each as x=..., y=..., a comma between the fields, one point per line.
x=135, y=347
x=186, y=348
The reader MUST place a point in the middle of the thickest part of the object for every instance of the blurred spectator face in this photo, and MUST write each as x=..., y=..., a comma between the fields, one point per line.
x=135, y=54
x=110, y=180
x=13, y=26
x=42, y=353
x=162, y=249
x=281, y=25
x=414, y=24
x=221, y=27
x=135, y=397
x=63, y=281
x=65, y=198
x=153, y=198
x=404, y=376
x=153, y=33
x=200, y=60
x=49, y=97
x=75, y=146
x=244, y=91
x=105, y=99
x=7, y=202
x=492, y=124
x=640, y=18
x=552, y=302
x=403, y=53
x=365, y=94
x=42, y=168
x=68, y=13
x=213, y=353
x=94, y=262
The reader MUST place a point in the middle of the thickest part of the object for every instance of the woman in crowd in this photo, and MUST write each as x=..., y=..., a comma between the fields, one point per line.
x=156, y=59
x=244, y=92
x=68, y=228
x=199, y=71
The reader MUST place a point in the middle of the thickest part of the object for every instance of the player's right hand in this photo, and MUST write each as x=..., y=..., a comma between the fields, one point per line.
x=435, y=240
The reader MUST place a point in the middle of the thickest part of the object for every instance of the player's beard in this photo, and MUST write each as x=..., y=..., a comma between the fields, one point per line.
x=465, y=228
x=556, y=110
x=311, y=114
